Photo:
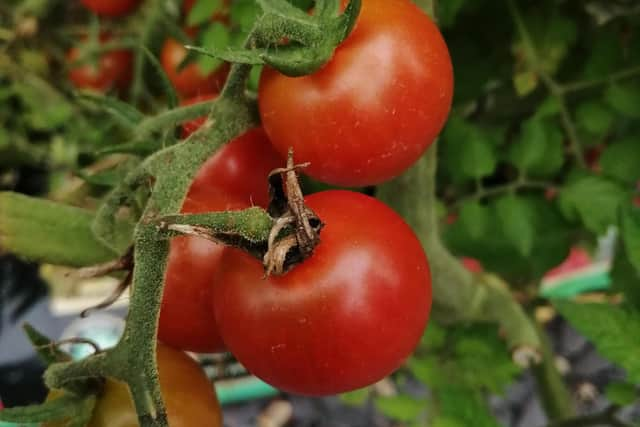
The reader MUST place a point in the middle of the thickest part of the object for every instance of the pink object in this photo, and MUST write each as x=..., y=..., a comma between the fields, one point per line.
x=471, y=264
x=577, y=259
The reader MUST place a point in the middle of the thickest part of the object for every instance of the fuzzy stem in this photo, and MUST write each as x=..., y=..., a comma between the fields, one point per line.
x=458, y=295
x=556, y=398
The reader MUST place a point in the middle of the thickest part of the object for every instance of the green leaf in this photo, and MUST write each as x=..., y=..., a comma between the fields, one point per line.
x=548, y=108
x=356, y=397
x=539, y=150
x=64, y=407
x=605, y=55
x=475, y=218
x=625, y=278
x=517, y=221
x=621, y=393
x=43, y=345
x=202, y=11
x=624, y=98
x=123, y=112
x=469, y=150
x=402, y=408
x=243, y=14
x=167, y=86
x=630, y=234
x=613, y=330
x=621, y=160
x=594, y=117
x=465, y=406
x=448, y=11
x=525, y=82
x=593, y=200
x=214, y=37
x=434, y=336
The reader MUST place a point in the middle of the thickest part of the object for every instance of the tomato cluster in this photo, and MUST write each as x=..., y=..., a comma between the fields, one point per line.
x=352, y=312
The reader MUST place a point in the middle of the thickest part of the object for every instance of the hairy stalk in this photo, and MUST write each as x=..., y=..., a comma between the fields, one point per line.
x=556, y=398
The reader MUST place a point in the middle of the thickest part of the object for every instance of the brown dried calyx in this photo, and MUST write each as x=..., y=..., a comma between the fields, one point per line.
x=297, y=228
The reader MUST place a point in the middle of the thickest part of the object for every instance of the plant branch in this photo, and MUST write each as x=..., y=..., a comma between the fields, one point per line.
x=606, y=417
x=484, y=193
x=588, y=84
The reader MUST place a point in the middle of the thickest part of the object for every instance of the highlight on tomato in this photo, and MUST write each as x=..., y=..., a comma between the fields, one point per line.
x=233, y=178
x=342, y=319
x=374, y=108
x=110, y=70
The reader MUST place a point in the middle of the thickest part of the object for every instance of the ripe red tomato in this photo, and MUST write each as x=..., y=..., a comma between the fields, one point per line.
x=342, y=319
x=179, y=376
x=191, y=126
x=111, y=8
x=190, y=80
x=113, y=69
x=234, y=178
x=370, y=112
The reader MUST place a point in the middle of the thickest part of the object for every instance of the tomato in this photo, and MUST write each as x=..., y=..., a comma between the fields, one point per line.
x=191, y=126
x=234, y=178
x=111, y=8
x=190, y=80
x=113, y=69
x=344, y=318
x=374, y=108
x=189, y=396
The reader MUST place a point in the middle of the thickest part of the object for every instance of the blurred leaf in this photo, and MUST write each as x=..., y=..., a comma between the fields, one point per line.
x=605, y=55
x=624, y=98
x=356, y=397
x=447, y=12
x=124, y=113
x=525, y=82
x=593, y=200
x=434, y=336
x=475, y=218
x=624, y=277
x=548, y=108
x=613, y=330
x=469, y=150
x=215, y=37
x=594, y=117
x=243, y=14
x=621, y=160
x=517, y=222
x=539, y=150
x=202, y=11
x=464, y=406
x=402, y=407
x=621, y=393
x=630, y=234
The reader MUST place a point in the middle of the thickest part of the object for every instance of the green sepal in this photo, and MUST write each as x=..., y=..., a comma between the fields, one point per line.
x=167, y=87
x=44, y=346
x=67, y=406
x=44, y=231
x=125, y=114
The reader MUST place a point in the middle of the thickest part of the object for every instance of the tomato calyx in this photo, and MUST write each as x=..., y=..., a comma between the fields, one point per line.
x=285, y=250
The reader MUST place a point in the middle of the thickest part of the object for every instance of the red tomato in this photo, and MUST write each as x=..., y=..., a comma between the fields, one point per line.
x=240, y=169
x=370, y=112
x=342, y=319
x=234, y=178
x=191, y=126
x=113, y=69
x=111, y=8
x=189, y=81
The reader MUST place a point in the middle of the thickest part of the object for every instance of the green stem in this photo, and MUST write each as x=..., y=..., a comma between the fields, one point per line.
x=173, y=117
x=458, y=295
x=606, y=417
x=483, y=193
x=620, y=75
x=556, y=398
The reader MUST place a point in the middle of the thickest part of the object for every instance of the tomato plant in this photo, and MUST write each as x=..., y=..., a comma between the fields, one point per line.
x=342, y=319
x=180, y=376
x=111, y=8
x=359, y=131
x=191, y=126
x=190, y=80
x=110, y=70
x=234, y=178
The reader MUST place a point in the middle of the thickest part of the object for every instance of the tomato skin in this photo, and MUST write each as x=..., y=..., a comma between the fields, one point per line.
x=111, y=8
x=114, y=69
x=191, y=126
x=370, y=112
x=189, y=81
x=179, y=376
x=234, y=178
x=344, y=318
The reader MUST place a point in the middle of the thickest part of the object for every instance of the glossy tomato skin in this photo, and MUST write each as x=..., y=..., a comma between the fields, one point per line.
x=190, y=80
x=344, y=318
x=191, y=126
x=234, y=178
x=111, y=8
x=374, y=108
x=240, y=168
x=113, y=69
x=188, y=395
